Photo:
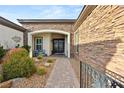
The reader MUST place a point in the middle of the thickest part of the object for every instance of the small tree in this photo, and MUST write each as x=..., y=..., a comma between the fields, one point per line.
x=16, y=39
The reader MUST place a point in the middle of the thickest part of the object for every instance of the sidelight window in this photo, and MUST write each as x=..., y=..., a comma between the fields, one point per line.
x=38, y=43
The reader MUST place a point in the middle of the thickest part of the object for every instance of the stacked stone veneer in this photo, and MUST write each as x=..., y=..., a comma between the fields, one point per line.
x=67, y=27
x=101, y=38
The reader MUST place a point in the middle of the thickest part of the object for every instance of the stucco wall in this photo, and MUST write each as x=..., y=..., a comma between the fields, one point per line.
x=101, y=38
x=6, y=35
x=46, y=42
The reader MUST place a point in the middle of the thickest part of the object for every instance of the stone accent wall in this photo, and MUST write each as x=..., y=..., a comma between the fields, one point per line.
x=25, y=38
x=58, y=36
x=101, y=39
x=52, y=26
x=55, y=26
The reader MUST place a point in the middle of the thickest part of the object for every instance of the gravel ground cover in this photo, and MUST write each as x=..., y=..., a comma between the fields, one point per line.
x=35, y=81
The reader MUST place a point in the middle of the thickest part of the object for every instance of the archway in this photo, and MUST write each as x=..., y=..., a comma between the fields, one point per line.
x=67, y=39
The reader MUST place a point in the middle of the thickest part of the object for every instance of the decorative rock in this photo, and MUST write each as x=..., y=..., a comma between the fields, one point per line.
x=6, y=84
x=16, y=81
x=47, y=64
x=36, y=60
x=35, y=81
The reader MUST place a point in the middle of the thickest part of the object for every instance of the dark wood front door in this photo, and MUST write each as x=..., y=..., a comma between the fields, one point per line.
x=58, y=46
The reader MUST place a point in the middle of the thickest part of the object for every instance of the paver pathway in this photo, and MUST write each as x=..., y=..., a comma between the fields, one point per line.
x=62, y=75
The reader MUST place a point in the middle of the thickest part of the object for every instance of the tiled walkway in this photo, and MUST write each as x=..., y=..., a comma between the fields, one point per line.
x=62, y=75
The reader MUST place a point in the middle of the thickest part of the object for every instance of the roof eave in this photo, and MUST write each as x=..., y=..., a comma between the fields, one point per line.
x=46, y=20
x=10, y=24
x=86, y=11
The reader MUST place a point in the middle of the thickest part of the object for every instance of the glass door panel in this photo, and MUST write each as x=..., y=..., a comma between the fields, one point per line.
x=58, y=46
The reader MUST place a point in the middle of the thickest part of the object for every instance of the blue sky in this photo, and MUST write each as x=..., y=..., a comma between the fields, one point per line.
x=13, y=12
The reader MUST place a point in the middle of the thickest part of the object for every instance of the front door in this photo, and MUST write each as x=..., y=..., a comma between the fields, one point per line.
x=58, y=46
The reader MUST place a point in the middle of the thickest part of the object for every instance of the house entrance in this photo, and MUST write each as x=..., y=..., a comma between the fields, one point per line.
x=58, y=46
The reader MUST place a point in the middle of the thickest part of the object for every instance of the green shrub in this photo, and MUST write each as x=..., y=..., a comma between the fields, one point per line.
x=2, y=52
x=1, y=78
x=49, y=61
x=18, y=64
x=16, y=53
x=14, y=68
x=20, y=52
x=40, y=56
x=27, y=47
x=41, y=70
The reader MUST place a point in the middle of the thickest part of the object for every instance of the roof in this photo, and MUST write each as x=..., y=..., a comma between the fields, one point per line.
x=46, y=20
x=86, y=11
x=10, y=24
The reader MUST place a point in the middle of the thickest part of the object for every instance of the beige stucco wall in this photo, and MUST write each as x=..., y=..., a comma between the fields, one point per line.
x=101, y=38
x=6, y=35
x=46, y=42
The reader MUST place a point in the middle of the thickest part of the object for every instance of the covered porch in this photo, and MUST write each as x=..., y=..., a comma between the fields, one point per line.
x=50, y=42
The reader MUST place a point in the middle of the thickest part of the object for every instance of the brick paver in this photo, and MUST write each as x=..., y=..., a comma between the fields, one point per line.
x=62, y=75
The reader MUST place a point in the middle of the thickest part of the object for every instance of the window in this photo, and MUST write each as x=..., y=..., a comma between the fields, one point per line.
x=38, y=44
x=76, y=41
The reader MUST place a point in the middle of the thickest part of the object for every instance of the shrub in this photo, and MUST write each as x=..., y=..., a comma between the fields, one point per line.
x=17, y=64
x=16, y=53
x=40, y=56
x=1, y=78
x=18, y=67
x=41, y=70
x=49, y=61
x=2, y=52
x=27, y=47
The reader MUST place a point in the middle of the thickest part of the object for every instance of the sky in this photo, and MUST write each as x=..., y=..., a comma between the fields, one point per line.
x=13, y=12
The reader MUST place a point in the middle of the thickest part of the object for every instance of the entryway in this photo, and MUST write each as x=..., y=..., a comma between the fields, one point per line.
x=58, y=46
